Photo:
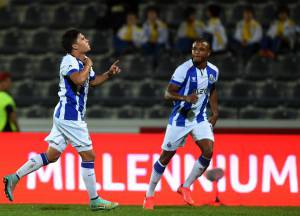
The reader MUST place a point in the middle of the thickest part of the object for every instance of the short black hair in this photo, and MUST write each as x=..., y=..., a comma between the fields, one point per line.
x=202, y=40
x=152, y=8
x=69, y=38
x=283, y=9
x=215, y=10
x=189, y=11
x=249, y=8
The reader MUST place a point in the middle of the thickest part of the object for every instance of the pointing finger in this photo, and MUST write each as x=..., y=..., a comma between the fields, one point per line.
x=115, y=62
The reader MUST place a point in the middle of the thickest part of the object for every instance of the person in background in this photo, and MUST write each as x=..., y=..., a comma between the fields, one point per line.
x=3, y=4
x=280, y=36
x=248, y=35
x=8, y=116
x=215, y=28
x=189, y=30
x=129, y=36
x=115, y=14
x=155, y=33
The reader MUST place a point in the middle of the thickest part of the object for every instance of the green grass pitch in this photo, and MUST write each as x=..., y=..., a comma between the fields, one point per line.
x=83, y=210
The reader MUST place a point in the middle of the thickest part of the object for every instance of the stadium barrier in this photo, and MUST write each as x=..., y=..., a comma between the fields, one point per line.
x=260, y=170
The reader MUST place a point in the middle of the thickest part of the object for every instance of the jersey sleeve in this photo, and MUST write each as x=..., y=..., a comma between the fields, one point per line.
x=217, y=75
x=92, y=74
x=69, y=65
x=178, y=76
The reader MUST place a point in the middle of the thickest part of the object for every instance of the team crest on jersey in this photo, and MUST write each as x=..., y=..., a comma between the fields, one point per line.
x=211, y=78
x=194, y=79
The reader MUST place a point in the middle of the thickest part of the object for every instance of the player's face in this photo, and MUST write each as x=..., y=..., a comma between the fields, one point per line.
x=152, y=15
x=200, y=52
x=6, y=84
x=283, y=16
x=248, y=15
x=82, y=44
x=131, y=19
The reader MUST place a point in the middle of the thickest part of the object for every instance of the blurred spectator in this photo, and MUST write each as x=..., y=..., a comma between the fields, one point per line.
x=155, y=33
x=8, y=117
x=129, y=36
x=216, y=29
x=116, y=13
x=280, y=36
x=3, y=3
x=189, y=30
x=248, y=35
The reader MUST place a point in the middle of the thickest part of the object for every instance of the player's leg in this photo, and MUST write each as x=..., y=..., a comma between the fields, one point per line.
x=78, y=135
x=203, y=136
x=158, y=169
x=89, y=178
x=57, y=144
x=30, y=166
x=157, y=172
x=174, y=137
x=202, y=163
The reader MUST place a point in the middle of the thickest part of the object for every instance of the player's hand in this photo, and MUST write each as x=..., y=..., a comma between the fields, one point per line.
x=87, y=62
x=114, y=69
x=213, y=120
x=192, y=98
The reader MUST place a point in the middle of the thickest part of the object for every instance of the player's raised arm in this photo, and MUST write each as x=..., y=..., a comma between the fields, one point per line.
x=113, y=70
x=78, y=78
x=172, y=94
x=213, y=101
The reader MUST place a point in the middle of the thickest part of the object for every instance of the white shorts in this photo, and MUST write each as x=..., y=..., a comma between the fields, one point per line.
x=176, y=136
x=67, y=131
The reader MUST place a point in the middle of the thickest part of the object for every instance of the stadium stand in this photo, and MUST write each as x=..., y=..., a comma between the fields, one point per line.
x=253, y=88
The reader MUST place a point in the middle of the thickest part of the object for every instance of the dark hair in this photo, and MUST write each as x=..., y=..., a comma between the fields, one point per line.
x=249, y=8
x=69, y=38
x=152, y=8
x=215, y=10
x=202, y=40
x=283, y=9
x=189, y=11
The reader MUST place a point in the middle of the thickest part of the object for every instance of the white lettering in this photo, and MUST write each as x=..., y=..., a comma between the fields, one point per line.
x=69, y=169
x=133, y=172
x=234, y=174
x=108, y=184
x=289, y=169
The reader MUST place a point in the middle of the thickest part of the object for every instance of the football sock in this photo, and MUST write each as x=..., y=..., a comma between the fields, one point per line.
x=89, y=178
x=156, y=174
x=198, y=169
x=32, y=164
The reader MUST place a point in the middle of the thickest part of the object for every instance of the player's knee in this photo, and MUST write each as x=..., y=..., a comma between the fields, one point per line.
x=164, y=161
x=208, y=151
x=165, y=157
x=88, y=156
x=53, y=159
x=92, y=156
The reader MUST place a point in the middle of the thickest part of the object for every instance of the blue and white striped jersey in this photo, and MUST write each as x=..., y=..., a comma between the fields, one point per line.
x=72, y=103
x=192, y=79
